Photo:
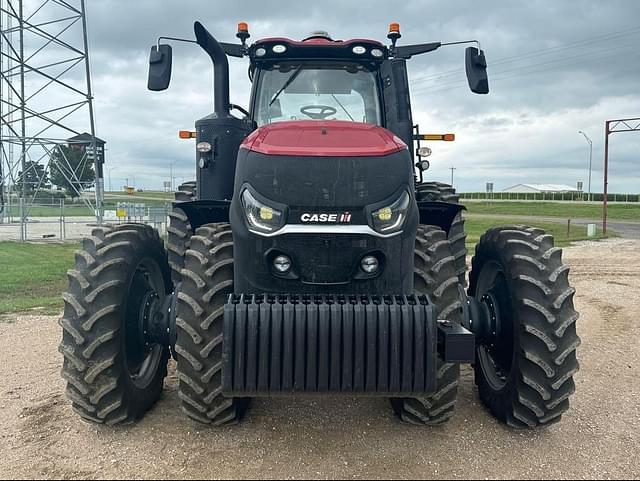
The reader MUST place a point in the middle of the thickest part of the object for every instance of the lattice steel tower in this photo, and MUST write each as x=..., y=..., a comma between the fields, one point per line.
x=46, y=101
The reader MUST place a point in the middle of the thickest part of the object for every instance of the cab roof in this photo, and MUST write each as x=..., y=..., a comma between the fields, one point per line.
x=316, y=47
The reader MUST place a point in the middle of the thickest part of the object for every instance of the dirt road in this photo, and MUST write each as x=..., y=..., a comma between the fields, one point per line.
x=345, y=438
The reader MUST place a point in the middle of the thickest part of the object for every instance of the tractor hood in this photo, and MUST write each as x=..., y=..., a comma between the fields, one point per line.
x=324, y=164
x=326, y=138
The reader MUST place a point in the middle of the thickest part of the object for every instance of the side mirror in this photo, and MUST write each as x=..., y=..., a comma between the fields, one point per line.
x=476, y=66
x=160, y=62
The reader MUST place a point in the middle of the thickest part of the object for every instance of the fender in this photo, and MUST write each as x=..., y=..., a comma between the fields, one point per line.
x=203, y=212
x=441, y=214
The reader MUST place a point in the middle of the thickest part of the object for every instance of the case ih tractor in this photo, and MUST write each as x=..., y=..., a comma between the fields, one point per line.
x=311, y=258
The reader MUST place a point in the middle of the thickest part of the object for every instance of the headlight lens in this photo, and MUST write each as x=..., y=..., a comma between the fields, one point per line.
x=260, y=216
x=391, y=219
x=204, y=147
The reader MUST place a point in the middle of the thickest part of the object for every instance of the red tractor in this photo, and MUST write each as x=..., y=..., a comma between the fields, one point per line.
x=310, y=257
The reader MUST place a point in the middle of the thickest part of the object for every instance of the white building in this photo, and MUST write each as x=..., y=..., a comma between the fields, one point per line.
x=540, y=189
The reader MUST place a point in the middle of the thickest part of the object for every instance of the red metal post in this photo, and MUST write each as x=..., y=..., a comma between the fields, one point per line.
x=605, y=203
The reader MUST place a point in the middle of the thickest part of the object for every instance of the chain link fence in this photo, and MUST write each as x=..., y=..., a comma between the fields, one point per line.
x=60, y=220
x=549, y=196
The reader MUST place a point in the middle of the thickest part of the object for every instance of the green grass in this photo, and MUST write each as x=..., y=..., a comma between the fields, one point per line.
x=33, y=276
x=477, y=226
x=566, y=210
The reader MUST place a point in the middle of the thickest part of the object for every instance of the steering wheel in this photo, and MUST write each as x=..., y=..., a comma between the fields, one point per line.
x=322, y=111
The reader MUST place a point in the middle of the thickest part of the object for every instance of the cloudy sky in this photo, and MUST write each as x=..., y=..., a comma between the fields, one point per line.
x=555, y=68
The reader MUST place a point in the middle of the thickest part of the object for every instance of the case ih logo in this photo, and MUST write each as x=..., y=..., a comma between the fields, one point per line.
x=343, y=218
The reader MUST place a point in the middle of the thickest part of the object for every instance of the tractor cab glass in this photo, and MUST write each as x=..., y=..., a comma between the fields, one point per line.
x=317, y=91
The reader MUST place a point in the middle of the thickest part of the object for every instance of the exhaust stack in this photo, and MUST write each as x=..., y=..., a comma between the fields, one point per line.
x=220, y=69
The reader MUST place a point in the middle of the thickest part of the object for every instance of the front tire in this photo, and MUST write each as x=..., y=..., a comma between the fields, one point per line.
x=439, y=192
x=179, y=230
x=526, y=360
x=434, y=275
x=206, y=285
x=114, y=375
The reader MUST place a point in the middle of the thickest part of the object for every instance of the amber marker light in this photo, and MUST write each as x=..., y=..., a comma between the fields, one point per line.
x=187, y=134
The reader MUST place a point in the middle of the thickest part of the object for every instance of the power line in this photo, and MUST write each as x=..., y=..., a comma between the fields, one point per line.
x=591, y=55
x=532, y=70
x=536, y=53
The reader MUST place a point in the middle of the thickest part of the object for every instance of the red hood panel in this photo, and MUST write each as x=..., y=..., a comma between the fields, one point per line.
x=326, y=138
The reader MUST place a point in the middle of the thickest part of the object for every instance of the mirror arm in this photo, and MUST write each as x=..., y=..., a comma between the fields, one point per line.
x=174, y=39
x=408, y=51
x=464, y=42
x=231, y=49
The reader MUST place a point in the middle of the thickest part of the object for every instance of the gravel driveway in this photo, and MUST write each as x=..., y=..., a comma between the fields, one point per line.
x=344, y=438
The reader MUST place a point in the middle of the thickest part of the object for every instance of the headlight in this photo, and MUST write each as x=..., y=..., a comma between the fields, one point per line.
x=391, y=219
x=260, y=216
x=204, y=147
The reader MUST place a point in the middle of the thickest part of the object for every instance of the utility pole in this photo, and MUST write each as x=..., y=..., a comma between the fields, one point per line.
x=590, y=161
x=452, y=170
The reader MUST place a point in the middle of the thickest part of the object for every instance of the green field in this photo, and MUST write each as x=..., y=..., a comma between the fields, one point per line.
x=34, y=275
x=477, y=226
x=566, y=210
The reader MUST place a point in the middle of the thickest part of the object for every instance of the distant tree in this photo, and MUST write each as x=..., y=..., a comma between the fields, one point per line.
x=71, y=170
x=34, y=177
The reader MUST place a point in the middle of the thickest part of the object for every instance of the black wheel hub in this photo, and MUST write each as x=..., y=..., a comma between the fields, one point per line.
x=142, y=351
x=492, y=323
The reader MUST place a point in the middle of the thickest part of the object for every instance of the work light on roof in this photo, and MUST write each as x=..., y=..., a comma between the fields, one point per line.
x=320, y=34
x=279, y=48
x=359, y=50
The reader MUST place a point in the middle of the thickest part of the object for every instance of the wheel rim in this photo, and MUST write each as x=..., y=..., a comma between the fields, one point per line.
x=496, y=347
x=142, y=358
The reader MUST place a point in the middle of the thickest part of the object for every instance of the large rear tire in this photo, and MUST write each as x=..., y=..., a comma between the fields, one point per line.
x=526, y=361
x=114, y=375
x=179, y=230
x=438, y=192
x=206, y=285
x=434, y=275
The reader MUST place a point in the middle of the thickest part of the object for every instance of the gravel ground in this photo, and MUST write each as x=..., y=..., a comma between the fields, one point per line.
x=344, y=438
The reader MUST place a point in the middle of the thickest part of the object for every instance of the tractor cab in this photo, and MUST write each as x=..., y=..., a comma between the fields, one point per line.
x=316, y=79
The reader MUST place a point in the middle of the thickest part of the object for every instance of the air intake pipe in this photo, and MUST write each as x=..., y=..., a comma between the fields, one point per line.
x=220, y=69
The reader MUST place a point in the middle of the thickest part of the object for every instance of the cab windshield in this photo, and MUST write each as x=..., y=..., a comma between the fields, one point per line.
x=317, y=91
